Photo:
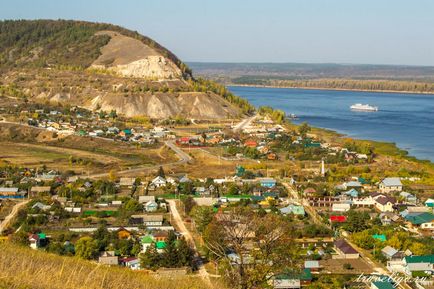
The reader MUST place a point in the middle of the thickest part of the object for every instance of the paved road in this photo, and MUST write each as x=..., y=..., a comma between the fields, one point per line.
x=7, y=221
x=189, y=238
x=242, y=124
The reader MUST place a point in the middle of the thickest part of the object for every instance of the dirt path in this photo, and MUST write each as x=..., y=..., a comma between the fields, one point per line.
x=242, y=124
x=6, y=222
x=189, y=238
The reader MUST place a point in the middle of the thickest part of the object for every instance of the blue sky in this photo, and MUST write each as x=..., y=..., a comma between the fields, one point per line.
x=342, y=31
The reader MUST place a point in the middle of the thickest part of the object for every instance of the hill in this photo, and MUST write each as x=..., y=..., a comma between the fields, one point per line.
x=103, y=67
x=25, y=268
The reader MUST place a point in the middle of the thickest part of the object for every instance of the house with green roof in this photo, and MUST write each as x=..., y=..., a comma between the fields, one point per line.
x=414, y=264
x=422, y=220
x=292, y=279
x=146, y=242
x=381, y=285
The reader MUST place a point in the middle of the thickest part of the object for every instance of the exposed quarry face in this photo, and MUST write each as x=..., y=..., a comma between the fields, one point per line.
x=130, y=57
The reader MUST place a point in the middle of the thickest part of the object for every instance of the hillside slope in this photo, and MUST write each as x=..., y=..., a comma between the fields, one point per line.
x=105, y=67
x=25, y=268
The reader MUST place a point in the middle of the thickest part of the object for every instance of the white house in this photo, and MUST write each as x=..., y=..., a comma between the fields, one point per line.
x=390, y=185
x=341, y=207
x=159, y=182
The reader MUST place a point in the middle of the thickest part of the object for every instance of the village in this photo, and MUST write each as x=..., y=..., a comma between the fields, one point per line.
x=346, y=217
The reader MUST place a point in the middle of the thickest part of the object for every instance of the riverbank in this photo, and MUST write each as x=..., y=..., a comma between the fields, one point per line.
x=332, y=89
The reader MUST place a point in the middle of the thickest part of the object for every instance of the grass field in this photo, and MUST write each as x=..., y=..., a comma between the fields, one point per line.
x=22, y=268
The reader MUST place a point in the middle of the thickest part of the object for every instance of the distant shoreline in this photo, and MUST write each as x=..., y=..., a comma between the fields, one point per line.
x=332, y=89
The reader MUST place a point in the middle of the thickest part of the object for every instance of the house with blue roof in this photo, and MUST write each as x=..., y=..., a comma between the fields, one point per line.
x=268, y=182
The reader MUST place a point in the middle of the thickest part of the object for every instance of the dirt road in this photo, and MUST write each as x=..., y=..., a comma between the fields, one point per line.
x=177, y=220
x=7, y=221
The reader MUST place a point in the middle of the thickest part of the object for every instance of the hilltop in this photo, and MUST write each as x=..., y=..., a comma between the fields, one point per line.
x=105, y=67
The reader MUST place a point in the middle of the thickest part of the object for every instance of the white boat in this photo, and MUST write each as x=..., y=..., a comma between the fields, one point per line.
x=363, y=107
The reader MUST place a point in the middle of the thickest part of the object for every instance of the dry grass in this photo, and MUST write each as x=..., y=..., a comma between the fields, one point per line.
x=25, y=268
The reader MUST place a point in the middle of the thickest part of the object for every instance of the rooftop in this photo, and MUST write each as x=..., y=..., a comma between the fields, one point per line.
x=392, y=182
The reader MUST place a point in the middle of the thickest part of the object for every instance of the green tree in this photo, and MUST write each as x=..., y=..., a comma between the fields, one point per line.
x=303, y=129
x=170, y=254
x=151, y=258
x=86, y=248
x=202, y=216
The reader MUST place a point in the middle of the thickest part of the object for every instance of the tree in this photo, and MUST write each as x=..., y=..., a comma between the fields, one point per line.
x=303, y=129
x=151, y=258
x=357, y=221
x=161, y=172
x=189, y=203
x=185, y=253
x=170, y=254
x=86, y=248
x=112, y=176
x=241, y=228
x=202, y=216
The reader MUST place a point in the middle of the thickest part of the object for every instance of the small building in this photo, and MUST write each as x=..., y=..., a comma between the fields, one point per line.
x=429, y=203
x=293, y=209
x=37, y=240
x=127, y=182
x=151, y=206
x=153, y=220
x=314, y=265
x=159, y=182
x=40, y=189
x=341, y=207
x=290, y=280
x=388, y=185
x=131, y=262
x=145, y=199
x=381, y=285
x=389, y=252
x=408, y=198
x=345, y=250
x=384, y=203
x=9, y=193
x=268, y=182
x=108, y=258
x=424, y=220
x=418, y=264
x=338, y=219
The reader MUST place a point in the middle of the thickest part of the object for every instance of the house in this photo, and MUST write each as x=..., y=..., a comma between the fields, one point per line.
x=41, y=206
x=9, y=193
x=338, y=219
x=151, y=206
x=108, y=258
x=341, y=207
x=153, y=220
x=423, y=220
x=383, y=203
x=345, y=250
x=418, y=264
x=40, y=189
x=387, y=218
x=146, y=242
x=353, y=193
x=267, y=182
x=312, y=265
x=127, y=182
x=352, y=185
x=184, y=179
x=123, y=233
x=159, y=182
x=251, y=144
x=388, y=185
x=408, y=198
x=145, y=199
x=381, y=285
x=429, y=203
x=389, y=252
x=290, y=280
x=131, y=262
x=293, y=209
x=37, y=240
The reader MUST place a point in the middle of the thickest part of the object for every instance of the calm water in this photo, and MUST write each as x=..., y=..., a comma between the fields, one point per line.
x=405, y=119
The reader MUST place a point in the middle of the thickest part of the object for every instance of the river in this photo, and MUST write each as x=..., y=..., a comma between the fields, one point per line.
x=403, y=118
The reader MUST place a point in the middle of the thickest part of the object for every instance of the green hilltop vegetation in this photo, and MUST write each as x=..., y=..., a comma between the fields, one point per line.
x=62, y=42
x=24, y=268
